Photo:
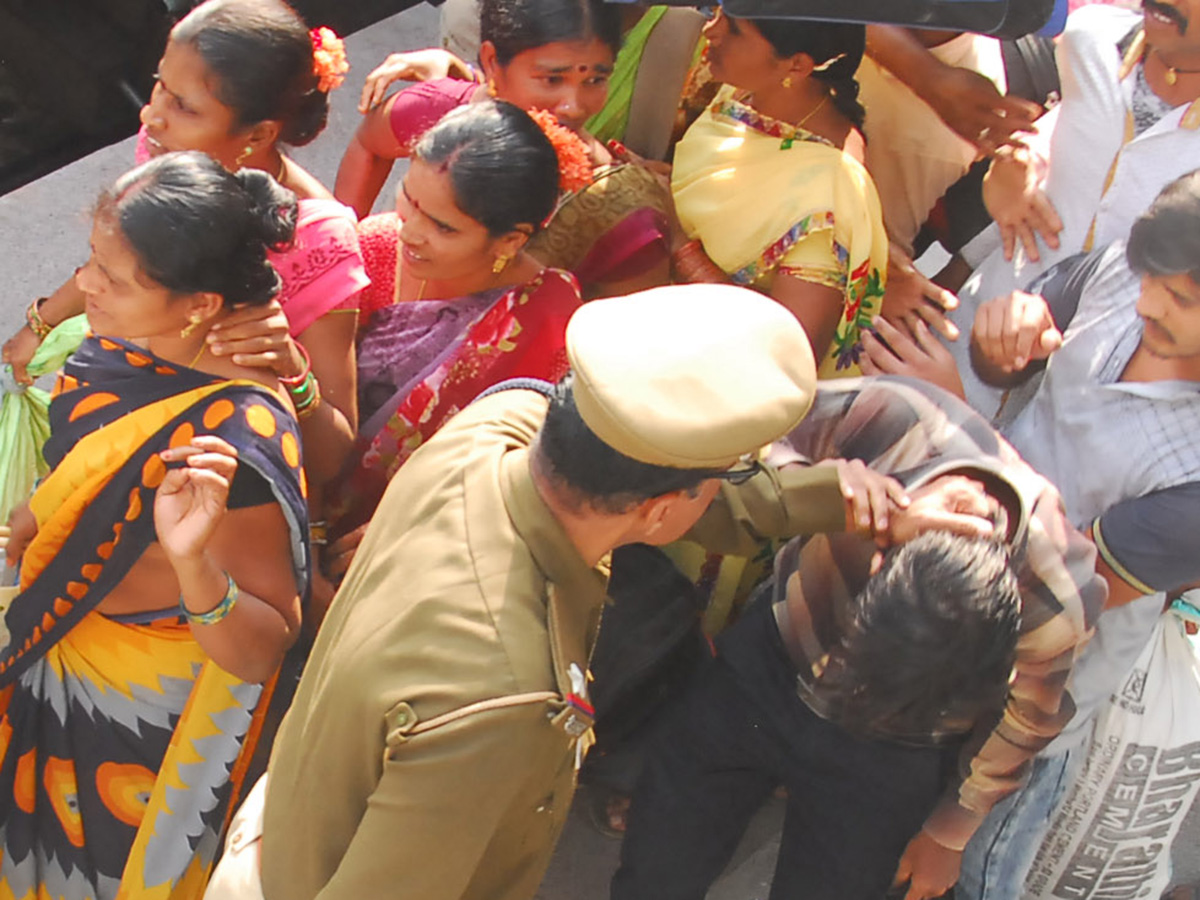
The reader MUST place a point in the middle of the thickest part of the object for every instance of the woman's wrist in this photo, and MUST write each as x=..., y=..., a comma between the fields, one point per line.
x=34, y=320
x=295, y=364
x=203, y=584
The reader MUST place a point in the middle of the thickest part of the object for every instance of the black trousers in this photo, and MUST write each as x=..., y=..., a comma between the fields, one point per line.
x=741, y=730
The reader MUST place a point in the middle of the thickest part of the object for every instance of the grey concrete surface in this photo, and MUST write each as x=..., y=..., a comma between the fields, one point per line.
x=44, y=225
x=44, y=236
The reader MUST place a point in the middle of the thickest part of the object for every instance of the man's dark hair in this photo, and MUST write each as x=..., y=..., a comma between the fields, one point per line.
x=932, y=641
x=593, y=472
x=1165, y=239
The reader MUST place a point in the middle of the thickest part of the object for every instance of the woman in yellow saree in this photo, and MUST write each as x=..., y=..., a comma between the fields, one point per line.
x=769, y=183
x=164, y=558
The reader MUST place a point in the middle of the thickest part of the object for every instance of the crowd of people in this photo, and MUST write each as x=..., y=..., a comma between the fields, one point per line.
x=632, y=447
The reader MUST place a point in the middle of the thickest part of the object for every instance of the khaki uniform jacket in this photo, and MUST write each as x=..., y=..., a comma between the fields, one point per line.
x=430, y=752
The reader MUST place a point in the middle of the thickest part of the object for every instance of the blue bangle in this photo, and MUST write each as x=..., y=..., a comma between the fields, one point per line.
x=218, y=612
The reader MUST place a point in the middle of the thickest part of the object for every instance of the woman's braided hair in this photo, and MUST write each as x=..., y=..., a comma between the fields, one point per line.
x=836, y=49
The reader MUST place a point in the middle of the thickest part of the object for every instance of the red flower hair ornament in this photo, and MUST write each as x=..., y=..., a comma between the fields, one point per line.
x=329, y=59
x=574, y=161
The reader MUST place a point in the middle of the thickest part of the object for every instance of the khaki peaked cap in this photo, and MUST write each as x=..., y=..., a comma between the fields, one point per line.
x=692, y=376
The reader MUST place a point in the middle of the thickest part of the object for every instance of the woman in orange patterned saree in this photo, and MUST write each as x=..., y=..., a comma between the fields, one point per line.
x=164, y=558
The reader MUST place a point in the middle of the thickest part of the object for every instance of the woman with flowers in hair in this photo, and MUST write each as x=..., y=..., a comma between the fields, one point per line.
x=457, y=304
x=557, y=56
x=239, y=80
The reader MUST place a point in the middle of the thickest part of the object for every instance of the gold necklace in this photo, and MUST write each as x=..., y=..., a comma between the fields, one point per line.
x=196, y=358
x=1172, y=73
x=812, y=112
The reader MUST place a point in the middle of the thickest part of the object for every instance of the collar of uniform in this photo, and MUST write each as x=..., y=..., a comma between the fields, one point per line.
x=552, y=550
x=1136, y=53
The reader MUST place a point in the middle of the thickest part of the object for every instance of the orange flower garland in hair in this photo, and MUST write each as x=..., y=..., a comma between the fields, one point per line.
x=574, y=162
x=329, y=59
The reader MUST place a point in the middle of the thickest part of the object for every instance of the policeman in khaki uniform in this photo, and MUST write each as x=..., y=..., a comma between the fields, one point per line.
x=431, y=748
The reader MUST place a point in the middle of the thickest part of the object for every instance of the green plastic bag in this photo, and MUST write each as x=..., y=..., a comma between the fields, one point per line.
x=25, y=416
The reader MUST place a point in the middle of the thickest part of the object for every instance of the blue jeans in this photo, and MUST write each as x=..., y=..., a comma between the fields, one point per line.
x=998, y=858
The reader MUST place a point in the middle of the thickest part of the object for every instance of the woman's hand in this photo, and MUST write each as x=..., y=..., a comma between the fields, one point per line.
x=416, y=65
x=910, y=293
x=22, y=528
x=1014, y=197
x=18, y=351
x=913, y=351
x=1013, y=330
x=870, y=496
x=257, y=336
x=340, y=554
x=190, y=502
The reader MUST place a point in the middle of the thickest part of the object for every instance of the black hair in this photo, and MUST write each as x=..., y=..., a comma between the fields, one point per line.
x=262, y=56
x=932, y=639
x=836, y=48
x=593, y=473
x=502, y=165
x=1165, y=239
x=195, y=227
x=514, y=26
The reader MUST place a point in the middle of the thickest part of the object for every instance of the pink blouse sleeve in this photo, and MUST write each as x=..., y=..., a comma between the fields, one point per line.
x=418, y=108
x=323, y=270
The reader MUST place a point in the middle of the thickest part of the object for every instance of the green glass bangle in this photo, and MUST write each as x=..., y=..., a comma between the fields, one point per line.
x=299, y=391
x=218, y=612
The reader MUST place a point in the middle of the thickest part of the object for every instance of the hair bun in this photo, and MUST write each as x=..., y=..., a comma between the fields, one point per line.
x=273, y=208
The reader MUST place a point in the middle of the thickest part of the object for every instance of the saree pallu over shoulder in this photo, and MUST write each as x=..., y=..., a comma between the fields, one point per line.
x=612, y=230
x=522, y=333
x=121, y=743
x=765, y=197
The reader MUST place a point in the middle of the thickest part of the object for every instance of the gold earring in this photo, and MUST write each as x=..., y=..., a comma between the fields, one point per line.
x=243, y=156
x=787, y=81
x=491, y=88
x=192, y=325
x=500, y=264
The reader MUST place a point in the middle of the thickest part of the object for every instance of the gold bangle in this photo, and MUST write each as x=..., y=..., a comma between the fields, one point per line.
x=305, y=411
x=33, y=318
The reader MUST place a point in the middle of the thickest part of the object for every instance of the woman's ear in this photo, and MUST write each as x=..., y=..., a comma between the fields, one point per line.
x=801, y=66
x=263, y=135
x=205, y=305
x=487, y=60
x=513, y=242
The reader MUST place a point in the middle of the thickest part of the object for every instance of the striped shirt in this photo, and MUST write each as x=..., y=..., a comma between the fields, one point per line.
x=915, y=432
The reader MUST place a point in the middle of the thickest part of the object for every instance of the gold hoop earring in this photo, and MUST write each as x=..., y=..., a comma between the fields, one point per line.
x=243, y=156
x=500, y=264
x=192, y=325
x=787, y=81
